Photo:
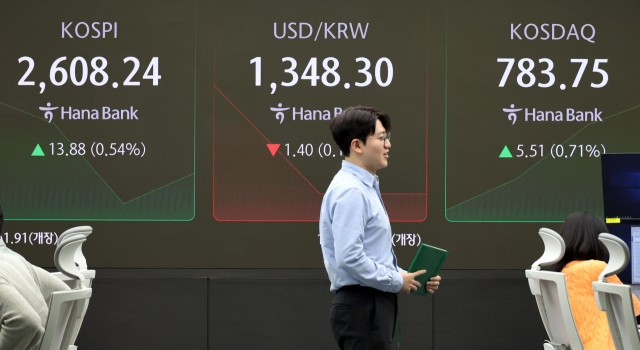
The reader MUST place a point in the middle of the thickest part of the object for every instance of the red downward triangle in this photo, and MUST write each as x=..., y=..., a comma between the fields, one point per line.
x=273, y=148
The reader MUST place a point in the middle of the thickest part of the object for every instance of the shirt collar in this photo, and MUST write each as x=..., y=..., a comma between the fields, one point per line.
x=359, y=172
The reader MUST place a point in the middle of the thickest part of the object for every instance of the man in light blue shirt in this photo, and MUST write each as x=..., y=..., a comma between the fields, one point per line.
x=355, y=235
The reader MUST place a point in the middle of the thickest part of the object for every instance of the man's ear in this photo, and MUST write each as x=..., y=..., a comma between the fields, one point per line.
x=356, y=146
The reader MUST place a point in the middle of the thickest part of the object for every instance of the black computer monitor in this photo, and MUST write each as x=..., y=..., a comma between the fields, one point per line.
x=630, y=234
x=621, y=199
x=621, y=187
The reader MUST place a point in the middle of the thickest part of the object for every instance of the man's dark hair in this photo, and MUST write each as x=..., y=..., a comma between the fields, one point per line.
x=580, y=233
x=1, y=219
x=356, y=123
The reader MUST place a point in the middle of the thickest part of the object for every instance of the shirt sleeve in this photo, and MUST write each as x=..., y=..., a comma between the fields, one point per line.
x=48, y=283
x=20, y=325
x=636, y=304
x=349, y=215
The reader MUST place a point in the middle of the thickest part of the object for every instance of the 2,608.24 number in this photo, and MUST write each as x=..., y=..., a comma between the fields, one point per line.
x=98, y=75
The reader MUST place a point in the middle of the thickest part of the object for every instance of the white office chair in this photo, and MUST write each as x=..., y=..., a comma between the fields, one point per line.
x=550, y=290
x=616, y=299
x=67, y=308
x=73, y=233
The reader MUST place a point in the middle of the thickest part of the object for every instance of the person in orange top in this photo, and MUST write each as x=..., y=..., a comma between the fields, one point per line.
x=582, y=263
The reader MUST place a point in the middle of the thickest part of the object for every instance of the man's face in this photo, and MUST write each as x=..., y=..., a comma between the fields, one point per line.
x=375, y=153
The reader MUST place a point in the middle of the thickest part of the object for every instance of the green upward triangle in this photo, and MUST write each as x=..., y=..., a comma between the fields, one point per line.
x=505, y=153
x=37, y=152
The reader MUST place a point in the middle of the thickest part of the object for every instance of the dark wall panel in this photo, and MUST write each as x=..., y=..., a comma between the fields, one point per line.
x=294, y=314
x=289, y=309
x=270, y=314
x=480, y=310
x=146, y=313
x=415, y=322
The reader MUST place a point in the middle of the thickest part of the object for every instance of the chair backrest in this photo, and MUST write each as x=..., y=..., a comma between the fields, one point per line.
x=616, y=299
x=550, y=291
x=89, y=276
x=67, y=308
x=65, y=312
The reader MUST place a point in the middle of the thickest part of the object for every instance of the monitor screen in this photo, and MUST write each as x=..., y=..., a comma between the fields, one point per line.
x=621, y=187
x=635, y=255
x=630, y=234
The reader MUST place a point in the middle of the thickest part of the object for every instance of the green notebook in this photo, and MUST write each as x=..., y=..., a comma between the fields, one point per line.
x=427, y=258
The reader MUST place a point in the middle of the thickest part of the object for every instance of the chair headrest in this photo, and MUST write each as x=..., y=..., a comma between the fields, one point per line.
x=553, y=248
x=618, y=255
x=84, y=230
x=64, y=256
x=70, y=237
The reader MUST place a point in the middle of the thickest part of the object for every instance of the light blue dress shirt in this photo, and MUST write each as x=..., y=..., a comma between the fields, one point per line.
x=355, y=233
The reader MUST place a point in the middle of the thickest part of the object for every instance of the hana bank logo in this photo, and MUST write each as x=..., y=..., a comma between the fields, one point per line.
x=305, y=114
x=280, y=112
x=48, y=111
x=512, y=116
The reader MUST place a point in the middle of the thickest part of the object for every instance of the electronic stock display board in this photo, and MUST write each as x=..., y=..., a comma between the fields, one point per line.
x=196, y=133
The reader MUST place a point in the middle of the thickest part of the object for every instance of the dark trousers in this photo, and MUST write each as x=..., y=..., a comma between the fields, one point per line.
x=363, y=318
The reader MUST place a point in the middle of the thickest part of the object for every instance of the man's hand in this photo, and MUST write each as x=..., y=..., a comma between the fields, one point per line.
x=408, y=281
x=433, y=284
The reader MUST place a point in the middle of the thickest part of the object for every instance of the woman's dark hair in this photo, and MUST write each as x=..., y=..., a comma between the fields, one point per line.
x=356, y=123
x=580, y=233
x=1, y=219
